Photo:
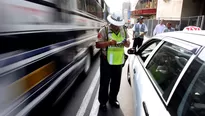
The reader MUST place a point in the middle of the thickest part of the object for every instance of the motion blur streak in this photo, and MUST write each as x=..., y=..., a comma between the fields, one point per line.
x=26, y=83
x=41, y=40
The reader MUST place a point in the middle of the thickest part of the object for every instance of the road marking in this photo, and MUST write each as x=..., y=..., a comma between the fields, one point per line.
x=95, y=107
x=88, y=95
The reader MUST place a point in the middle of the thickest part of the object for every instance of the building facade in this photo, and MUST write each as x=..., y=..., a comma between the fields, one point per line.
x=169, y=9
x=180, y=13
x=125, y=11
x=146, y=8
x=176, y=9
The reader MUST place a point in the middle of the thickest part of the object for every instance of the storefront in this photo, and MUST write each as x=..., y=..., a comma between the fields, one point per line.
x=147, y=13
x=146, y=8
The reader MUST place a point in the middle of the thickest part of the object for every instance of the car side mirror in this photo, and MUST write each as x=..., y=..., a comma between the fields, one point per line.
x=132, y=51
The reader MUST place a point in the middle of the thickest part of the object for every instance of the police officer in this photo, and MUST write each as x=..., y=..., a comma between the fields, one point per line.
x=111, y=40
x=139, y=30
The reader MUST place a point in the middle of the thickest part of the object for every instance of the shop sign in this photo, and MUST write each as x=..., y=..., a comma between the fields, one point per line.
x=144, y=12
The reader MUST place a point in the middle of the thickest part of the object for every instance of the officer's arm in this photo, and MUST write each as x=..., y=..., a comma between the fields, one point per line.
x=102, y=39
x=127, y=43
x=102, y=44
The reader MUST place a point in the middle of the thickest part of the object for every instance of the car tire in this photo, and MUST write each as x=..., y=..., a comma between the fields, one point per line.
x=128, y=75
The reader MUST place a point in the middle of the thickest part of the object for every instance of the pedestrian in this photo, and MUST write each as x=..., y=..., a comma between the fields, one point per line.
x=169, y=28
x=139, y=30
x=111, y=40
x=159, y=28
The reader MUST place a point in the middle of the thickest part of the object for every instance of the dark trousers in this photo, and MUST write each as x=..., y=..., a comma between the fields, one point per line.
x=109, y=75
x=137, y=42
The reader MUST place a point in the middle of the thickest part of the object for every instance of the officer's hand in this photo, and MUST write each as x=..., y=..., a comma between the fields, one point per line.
x=112, y=42
x=127, y=43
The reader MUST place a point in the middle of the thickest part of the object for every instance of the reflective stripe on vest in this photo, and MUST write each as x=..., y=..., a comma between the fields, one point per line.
x=115, y=54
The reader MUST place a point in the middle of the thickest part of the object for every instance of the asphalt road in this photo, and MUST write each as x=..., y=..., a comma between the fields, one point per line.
x=81, y=99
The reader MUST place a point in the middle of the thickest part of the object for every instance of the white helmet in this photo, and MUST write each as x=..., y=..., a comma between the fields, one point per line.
x=116, y=19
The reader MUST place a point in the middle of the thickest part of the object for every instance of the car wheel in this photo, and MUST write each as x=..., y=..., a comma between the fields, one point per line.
x=128, y=75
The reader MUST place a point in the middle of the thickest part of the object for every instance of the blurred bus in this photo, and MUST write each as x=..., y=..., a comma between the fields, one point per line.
x=44, y=46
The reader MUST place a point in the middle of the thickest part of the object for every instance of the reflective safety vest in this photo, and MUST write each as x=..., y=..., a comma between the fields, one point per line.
x=115, y=54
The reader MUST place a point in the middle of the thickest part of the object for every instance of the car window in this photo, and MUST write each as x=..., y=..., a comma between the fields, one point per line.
x=182, y=87
x=193, y=101
x=147, y=48
x=166, y=65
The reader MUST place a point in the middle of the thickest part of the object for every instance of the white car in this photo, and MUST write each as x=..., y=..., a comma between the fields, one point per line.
x=167, y=74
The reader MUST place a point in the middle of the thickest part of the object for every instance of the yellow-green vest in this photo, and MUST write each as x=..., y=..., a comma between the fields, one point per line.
x=115, y=54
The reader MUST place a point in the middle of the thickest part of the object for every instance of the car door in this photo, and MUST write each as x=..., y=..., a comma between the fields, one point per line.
x=157, y=77
x=136, y=67
x=148, y=47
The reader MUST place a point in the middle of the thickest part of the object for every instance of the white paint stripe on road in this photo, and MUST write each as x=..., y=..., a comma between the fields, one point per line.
x=95, y=107
x=88, y=95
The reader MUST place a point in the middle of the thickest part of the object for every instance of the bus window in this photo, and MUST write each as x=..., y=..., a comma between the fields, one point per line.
x=99, y=11
x=91, y=7
x=81, y=4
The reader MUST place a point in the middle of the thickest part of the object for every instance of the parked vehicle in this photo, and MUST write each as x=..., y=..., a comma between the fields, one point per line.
x=167, y=75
